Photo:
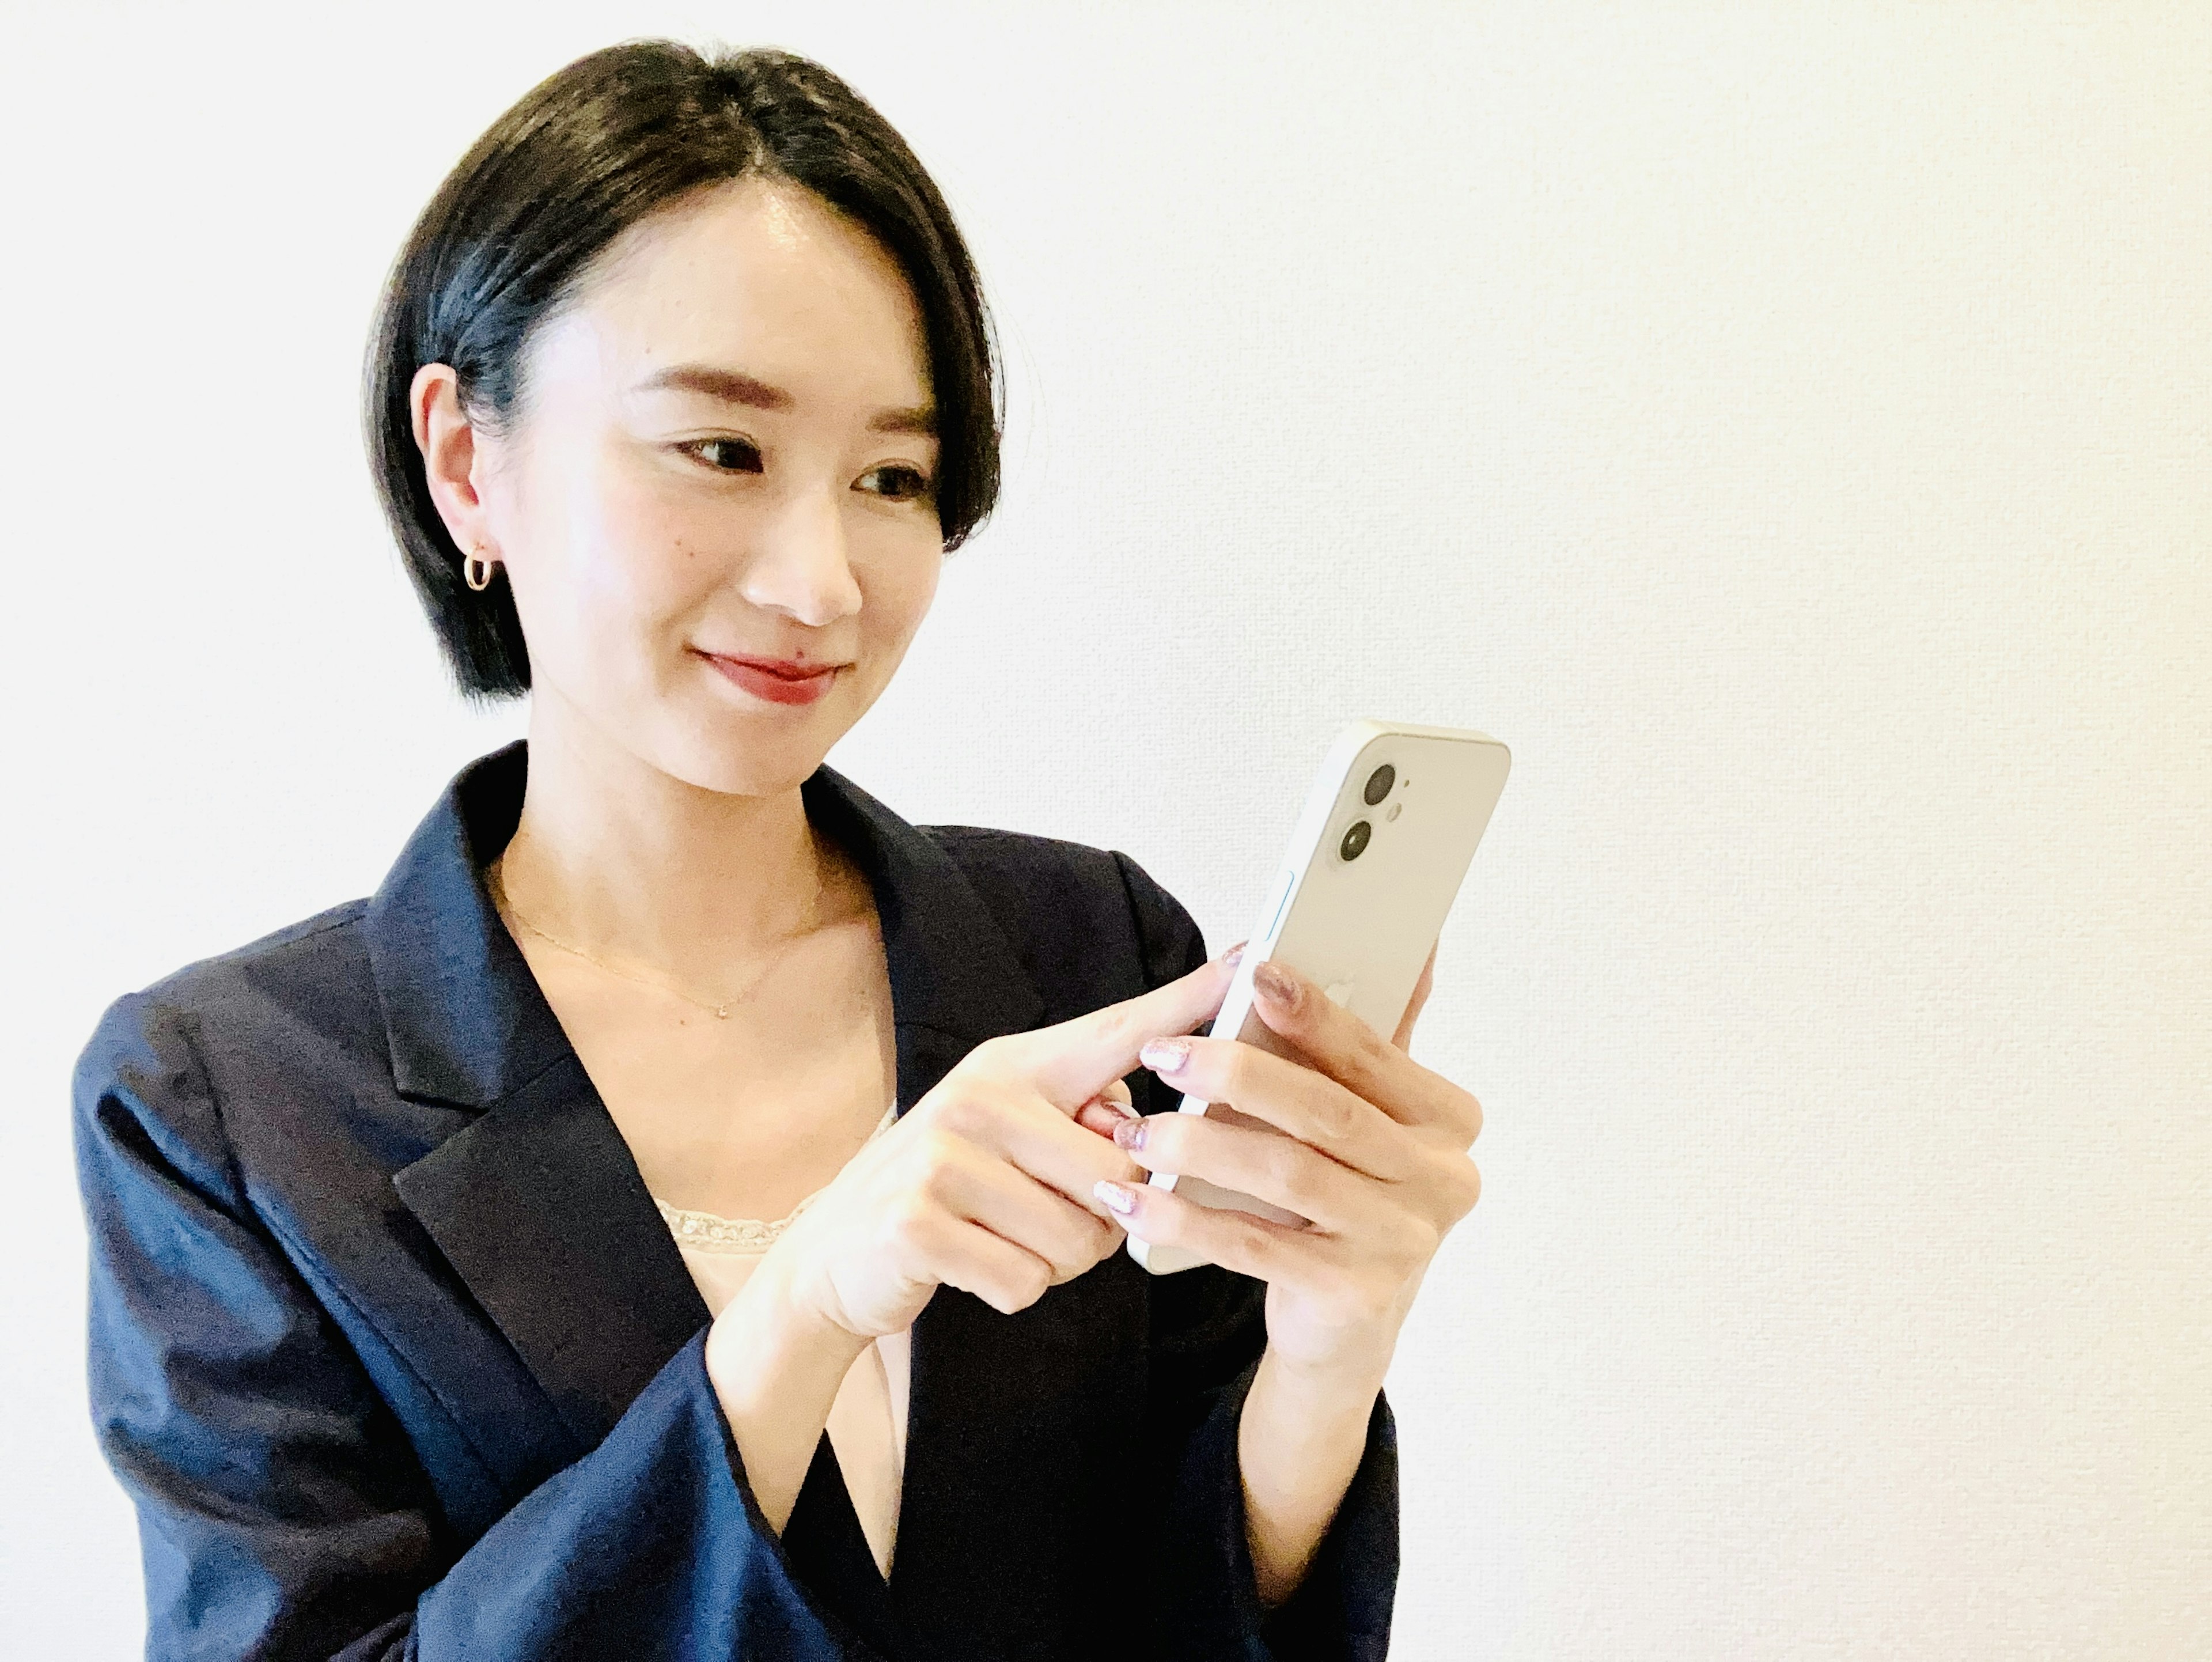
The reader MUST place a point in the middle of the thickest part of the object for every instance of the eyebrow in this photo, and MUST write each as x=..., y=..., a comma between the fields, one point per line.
x=734, y=387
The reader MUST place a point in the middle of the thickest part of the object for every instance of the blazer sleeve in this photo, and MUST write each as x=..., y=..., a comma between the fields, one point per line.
x=282, y=1512
x=1209, y=1330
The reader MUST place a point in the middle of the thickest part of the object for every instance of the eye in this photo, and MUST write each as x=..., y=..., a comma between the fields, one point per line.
x=737, y=456
x=895, y=481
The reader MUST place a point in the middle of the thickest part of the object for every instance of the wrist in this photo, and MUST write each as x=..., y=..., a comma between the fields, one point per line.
x=1299, y=1441
x=767, y=1344
x=1320, y=1386
x=775, y=1367
x=1315, y=1402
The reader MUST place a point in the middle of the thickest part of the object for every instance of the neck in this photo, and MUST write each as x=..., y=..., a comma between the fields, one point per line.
x=615, y=855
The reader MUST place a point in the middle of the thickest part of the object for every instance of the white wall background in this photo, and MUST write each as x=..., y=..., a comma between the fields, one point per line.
x=1786, y=426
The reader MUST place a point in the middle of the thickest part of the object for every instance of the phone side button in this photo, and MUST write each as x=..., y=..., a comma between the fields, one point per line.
x=1273, y=911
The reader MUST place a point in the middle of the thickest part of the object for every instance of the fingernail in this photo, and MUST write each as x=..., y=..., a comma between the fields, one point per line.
x=1121, y=1110
x=1164, y=1056
x=1277, y=984
x=1120, y=1197
x=1130, y=1133
x=1235, y=955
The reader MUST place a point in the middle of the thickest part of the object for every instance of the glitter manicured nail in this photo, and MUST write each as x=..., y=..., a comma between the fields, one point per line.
x=1164, y=1056
x=1271, y=979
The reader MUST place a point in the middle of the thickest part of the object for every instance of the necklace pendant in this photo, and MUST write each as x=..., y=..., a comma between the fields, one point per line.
x=723, y=1011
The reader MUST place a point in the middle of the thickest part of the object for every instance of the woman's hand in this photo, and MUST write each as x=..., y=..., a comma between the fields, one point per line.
x=974, y=1187
x=1376, y=1157
x=987, y=1182
x=986, y=1185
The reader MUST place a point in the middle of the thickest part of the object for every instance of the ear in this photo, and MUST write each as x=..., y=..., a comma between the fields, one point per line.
x=452, y=458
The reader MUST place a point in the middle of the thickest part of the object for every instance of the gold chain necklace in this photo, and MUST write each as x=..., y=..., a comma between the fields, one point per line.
x=722, y=1009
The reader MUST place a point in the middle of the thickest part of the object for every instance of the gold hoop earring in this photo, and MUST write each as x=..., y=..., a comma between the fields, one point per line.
x=470, y=567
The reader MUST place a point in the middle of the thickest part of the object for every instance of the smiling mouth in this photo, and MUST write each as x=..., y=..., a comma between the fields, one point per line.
x=784, y=669
x=776, y=680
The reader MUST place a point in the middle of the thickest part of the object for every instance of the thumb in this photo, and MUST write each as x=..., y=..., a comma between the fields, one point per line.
x=1403, y=1038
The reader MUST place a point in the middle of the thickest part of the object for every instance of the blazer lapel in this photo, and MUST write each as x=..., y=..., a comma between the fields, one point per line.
x=536, y=1202
x=539, y=1208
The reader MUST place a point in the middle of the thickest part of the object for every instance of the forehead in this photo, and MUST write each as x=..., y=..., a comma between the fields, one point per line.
x=756, y=276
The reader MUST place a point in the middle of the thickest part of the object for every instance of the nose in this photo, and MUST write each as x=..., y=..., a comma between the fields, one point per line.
x=800, y=565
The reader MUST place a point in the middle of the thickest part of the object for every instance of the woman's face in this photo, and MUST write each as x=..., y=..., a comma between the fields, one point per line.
x=717, y=510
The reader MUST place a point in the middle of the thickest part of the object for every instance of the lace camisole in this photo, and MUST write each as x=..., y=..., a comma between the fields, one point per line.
x=868, y=1421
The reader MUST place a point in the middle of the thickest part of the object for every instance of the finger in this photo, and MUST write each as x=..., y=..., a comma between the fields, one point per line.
x=1030, y=1134
x=1288, y=1096
x=1072, y=1060
x=1006, y=1277
x=1403, y=1038
x=1348, y=1051
x=1068, y=1235
x=1255, y=1161
x=1106, y=1109
x=1116, y=1100
x=1255, y=1246
x=1102, y=1114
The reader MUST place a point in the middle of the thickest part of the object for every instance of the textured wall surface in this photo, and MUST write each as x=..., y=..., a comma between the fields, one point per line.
x=1786, y=427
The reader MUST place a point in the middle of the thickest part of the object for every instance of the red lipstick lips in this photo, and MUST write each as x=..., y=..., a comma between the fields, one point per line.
x=777, y=680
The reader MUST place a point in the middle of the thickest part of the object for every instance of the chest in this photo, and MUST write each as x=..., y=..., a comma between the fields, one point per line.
x=745, y=1113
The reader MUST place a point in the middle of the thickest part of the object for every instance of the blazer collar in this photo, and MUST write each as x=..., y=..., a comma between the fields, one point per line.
x=466, y=1019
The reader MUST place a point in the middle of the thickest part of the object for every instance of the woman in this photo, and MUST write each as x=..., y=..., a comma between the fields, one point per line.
x=679, y=1214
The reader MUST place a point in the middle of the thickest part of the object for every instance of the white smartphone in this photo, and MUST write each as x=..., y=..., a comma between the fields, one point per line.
x=1376, y=861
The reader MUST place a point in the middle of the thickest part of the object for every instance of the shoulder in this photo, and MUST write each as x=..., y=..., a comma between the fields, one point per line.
x=154, y=1051
x=298, y=966
x=1072, y=910
x=1032, y=883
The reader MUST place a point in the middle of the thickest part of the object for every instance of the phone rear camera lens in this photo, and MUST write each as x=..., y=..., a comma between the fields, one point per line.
x=1355, y=839
x=1378, y=786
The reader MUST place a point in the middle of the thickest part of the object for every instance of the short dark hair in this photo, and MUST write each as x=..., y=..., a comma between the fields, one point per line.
x=588, y=152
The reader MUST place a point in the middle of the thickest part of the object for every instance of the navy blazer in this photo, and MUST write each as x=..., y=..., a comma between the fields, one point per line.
x=397, y=1358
